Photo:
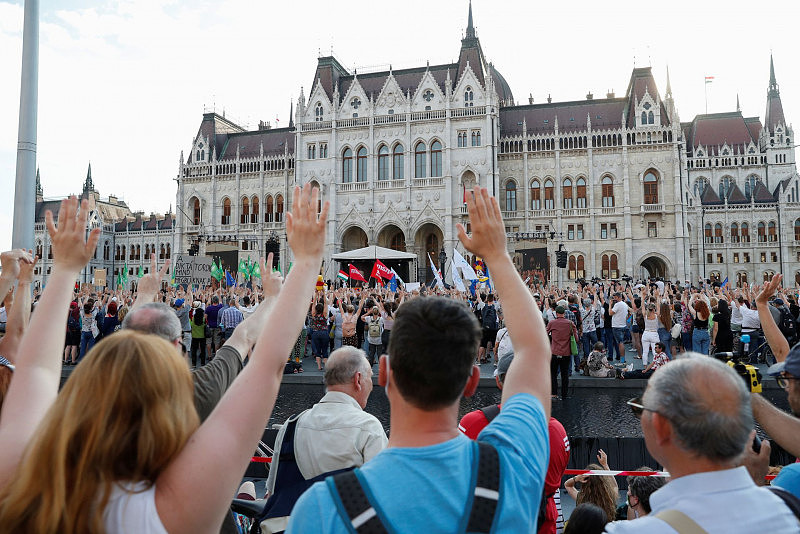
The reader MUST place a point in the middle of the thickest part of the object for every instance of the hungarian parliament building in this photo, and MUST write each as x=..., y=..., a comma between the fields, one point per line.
x=618, y=182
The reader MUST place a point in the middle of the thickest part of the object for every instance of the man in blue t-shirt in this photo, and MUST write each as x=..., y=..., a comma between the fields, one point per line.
x=423, y=481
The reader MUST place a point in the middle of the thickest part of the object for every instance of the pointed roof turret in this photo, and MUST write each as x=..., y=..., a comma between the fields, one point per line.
x=774, y=114
x=669, y=85
x=39, y=192
x=291, y=114
x=88, y=185
x=470, y=27
x=738, y=107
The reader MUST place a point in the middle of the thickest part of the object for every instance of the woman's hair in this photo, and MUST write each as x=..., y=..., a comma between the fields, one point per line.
x=388, y=307
x=319, y=309
x=350, y=308
x=701, y=307
x=665, y=315
x=677, y=307
x=87, y=308
x=112, y=308
x=198, y=316
x=599, y=346
x=123, y=311
x=124, y=415
x=723, y=309
x=587, y=518
x=601, y=491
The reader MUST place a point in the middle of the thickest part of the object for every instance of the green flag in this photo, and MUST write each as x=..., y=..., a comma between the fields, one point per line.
x=141, y=272
x=255, y=269
x=125, y=275
x=172, y=279
x=119, y=279
x=242, y=267
x=216, y=272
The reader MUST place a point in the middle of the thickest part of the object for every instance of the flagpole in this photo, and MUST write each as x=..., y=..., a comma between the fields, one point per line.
x=706, y=91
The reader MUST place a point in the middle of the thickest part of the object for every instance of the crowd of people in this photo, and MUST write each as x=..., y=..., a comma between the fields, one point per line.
x=173, y=387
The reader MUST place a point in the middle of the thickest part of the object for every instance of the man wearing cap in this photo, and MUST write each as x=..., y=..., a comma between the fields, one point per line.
x=473, y=422
x=560, y=329
x=186, y=327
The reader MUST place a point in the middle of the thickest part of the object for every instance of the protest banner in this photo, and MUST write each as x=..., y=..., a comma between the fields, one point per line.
x=192, y=270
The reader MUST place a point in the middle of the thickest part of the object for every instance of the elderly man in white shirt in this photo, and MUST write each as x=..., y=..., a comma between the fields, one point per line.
x=697, y=422
x=751, y=325
x=336, y=433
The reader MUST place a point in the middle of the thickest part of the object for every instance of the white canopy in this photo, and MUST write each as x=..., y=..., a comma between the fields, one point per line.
x=373, y=253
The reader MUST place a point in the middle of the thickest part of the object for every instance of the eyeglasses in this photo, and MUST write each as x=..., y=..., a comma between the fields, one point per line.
x=637, y=407
x=783, y=380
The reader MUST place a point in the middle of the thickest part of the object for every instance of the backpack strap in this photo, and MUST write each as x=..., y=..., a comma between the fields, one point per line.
x=490, y=412
x=360, y=512
x=790, y=499
x=681, y=522
x=487, y=490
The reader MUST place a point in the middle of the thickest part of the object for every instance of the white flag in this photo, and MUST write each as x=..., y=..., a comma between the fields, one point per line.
x=436, y=274
x=466, y=269
x=400, y=280
x=457, y=280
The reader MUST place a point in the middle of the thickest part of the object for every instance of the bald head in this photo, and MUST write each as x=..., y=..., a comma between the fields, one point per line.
x=343, y=363
x=707, y=405
x=154, y=318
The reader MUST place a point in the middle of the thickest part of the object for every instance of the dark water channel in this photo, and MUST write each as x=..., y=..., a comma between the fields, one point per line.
x=587, y=413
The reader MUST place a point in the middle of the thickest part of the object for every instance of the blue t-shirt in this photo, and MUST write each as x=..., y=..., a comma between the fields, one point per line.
x=789, y=479
x=424, y=489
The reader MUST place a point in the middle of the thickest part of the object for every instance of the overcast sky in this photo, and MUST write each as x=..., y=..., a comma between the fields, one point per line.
x=123, y=84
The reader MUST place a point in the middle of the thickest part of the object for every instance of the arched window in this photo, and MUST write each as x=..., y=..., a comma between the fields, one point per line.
x=254, y=214
x=398, y=242
x=436, y=158
x=226, y=211
x=580, y=192
x=572, y=268
x=268, y=214
x=397, y=162
x=468, y=97
x=797, y=230
x=650, y=188
x=650, y=118
x=581, y=266
x=718, y=237
x=549, y=197
x=419, y=160
x=768, y=276
x=122, y=257
x=318, y=113
x=511, y=195
x=536, y=195
x=614, y=266
x=383, y=163
x=745, y=232
x=608, y=192
x=161, y=252
x=772, y=232
x=762, y=232
x=279, y=207
x=567, y=193
x=361, y=167
x=196, y=211
x=750, y=186
x=347, y=166
x=700, y=187
x=725, y=186
x=644, y=117
x=734, y=233
x=708, y=233
x=244, y=216
x=169, y=251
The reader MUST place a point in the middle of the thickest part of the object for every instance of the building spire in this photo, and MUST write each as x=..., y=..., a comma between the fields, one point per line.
x=88, y=185
x=773, y=84
x=669, y=85
x=470, y=27
x=738, y=107
x=291, y=114
x=39, y=191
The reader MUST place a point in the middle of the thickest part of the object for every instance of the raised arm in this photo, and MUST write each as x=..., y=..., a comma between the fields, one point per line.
x=216, y=456
x=530, y=370
x=20, y=312
x=11, y=261
x=150, y=284
x=777, y=341
x=38, y=365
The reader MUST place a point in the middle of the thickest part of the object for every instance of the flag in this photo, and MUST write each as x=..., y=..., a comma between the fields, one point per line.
x=488, y=277
x=724, y=282
x=229, y=279
x=457, y=280
x=399, y=280
x=393, y=283
x=125, y=275
x=172, y=279
x=255, y=269
x=436, y=274
x=379, y=270
x=140, y=272
x=216, y=271
x=355, y=274
x=343, y=275
x=472, y=285
x=709, y=79
x=119, y=279
x=466, y=269
x=242, y=267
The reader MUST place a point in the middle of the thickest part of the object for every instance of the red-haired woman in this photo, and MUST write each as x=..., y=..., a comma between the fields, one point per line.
x=700, y=313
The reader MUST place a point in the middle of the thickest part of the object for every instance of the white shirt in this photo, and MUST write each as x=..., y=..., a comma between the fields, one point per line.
x=736, y=314
x=131, y=510
x=750, y=320
x=720, y=502
x=247, y=311
x=587, y=318
x=620, y=310
x=334, y=434
x=503, y=343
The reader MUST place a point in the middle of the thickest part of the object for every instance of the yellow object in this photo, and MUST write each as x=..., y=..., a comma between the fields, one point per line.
x=750, y=374
x=320, y=284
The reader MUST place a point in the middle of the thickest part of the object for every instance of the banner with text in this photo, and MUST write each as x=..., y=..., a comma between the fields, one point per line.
x=192, y=270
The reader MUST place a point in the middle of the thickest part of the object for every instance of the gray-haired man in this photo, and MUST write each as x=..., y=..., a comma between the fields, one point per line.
x=697, y=422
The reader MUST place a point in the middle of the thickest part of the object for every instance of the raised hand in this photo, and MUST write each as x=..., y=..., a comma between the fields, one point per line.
x=769, y=289
x=305, y=231
x=71, y=249
x=11, y=261
x=488, y=238
x=273, y=281
x=26, y=269
x=151, y=282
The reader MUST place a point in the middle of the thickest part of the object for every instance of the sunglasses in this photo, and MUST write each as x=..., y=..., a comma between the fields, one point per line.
x=637, y=407
x=783, y=380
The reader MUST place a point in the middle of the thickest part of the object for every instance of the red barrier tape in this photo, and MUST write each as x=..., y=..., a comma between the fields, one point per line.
x=599, y=472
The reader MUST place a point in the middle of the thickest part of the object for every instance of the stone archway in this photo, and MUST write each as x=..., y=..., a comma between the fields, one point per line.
x=654, y=267
x=391, y=236
x=428, y=239
x=354, y=238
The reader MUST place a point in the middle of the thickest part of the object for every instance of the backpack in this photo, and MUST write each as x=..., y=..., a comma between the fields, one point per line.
x=349, y=327
x=787, y=325
x=374, y=330
x=73, y=325
x=489, y=317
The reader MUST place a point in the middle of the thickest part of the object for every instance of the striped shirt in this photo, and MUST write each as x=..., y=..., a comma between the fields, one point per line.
x=231, y=317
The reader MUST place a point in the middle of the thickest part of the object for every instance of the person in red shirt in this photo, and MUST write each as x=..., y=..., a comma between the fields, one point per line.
x=475, y=421
x=560, y=329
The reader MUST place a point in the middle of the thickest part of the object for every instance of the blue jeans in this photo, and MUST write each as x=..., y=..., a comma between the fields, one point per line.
x=610, y=343
x=87, y=342
x=700, y=341
x=665, y=337
x=619, y=337
x=320, y=340
x=686, y=339
x=589, y=339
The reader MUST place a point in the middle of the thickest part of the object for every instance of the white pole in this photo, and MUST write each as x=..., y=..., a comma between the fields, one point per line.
x=25, y=187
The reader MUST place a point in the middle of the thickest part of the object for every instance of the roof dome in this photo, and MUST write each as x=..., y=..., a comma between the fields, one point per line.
x=502, y=87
